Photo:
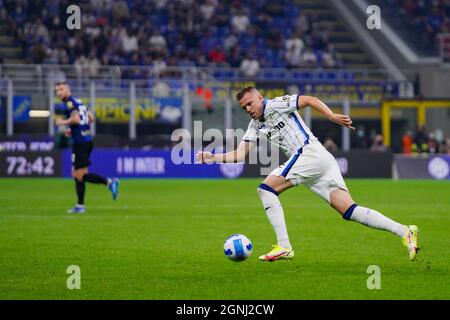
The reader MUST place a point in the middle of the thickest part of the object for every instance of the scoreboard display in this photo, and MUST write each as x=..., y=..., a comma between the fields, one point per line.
x=30, y=164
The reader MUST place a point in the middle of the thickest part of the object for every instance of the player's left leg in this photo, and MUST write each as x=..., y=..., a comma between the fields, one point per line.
x=342, y=201
x=330, y=186
x=80, y=188
x=268, y=192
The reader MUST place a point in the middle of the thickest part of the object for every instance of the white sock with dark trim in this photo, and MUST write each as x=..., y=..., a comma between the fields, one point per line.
x=374, y=219
x=274, y=212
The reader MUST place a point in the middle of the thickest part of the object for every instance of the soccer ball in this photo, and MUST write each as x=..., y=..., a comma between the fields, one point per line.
x=237, y=247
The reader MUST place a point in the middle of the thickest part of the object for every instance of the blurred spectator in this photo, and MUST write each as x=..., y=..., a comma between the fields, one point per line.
x=234, y=58
x=330, y=145
x=201, y=60
x=88, y=66
x=318, y=38
x=378, y=145
x=274, y=8
x=135, y=73
x=328, y=60
x=420, y=141
x=302, y=23
x=230, y=41
x=360, y=140
x=439, y=135
x=129, y=41
x=93, y=63
x=19, y=15
x=160, y=4
x=221, y=15
x=434, y=22
x=372, y=136
x=249, y=66
x=331, y=58
x=161, y=89
x=308, y=59
x=240, y=22
x=207, y=9
x=40, y=31
x=262, y=22
x=159, y=65
x=432, y=143
x=294, y=47
x=206, y=95
x=217, y=55
x=407, y=141
x=446, y=146
x=38, y=52
x=157, y=41
x=81, y=65
x=56, y=74
x=274, y=39
x=119, y=10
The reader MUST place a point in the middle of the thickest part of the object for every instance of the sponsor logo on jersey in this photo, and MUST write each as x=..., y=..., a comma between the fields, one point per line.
x=278, y=127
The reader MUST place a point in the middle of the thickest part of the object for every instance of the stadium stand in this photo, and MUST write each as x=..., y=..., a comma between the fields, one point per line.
x=418, y=22
x=289, y=41
x=180, y=33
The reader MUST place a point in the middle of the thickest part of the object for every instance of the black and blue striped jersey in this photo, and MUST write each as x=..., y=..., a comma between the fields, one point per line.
x=81, y=133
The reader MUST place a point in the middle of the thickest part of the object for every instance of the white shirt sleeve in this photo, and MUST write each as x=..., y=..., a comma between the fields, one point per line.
x=251, y=135
x=285, y=104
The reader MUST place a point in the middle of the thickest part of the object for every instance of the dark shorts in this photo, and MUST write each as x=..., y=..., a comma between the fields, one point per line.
x=81, y=153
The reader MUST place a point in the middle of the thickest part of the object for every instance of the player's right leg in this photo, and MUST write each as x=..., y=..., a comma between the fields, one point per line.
x=82, y=155
x=268, y=192
x=111, y=183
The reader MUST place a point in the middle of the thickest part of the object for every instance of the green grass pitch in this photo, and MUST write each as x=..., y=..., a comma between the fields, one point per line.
x=163, y=239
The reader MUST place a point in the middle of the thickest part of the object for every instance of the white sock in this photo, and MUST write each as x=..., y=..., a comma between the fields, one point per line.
x=274, y=212
x=374, y=219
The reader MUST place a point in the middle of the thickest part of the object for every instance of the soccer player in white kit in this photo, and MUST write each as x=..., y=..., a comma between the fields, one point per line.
x=309, y=163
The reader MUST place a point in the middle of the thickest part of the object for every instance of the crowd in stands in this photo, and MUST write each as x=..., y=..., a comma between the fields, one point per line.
x=433, y=16
x=419, y=142
x=246, y=34
x=422, y=141
x=361, y=139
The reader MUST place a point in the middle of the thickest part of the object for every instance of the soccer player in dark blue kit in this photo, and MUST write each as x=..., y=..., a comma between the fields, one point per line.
x=79, y=118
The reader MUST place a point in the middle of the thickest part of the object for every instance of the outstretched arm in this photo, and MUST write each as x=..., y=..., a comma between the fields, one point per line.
x=74, y=119
x=232, y=156
x=91, y=116
x=343, y=120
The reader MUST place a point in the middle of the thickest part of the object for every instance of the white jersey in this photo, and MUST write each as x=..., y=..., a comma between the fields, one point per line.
x=282, y=125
